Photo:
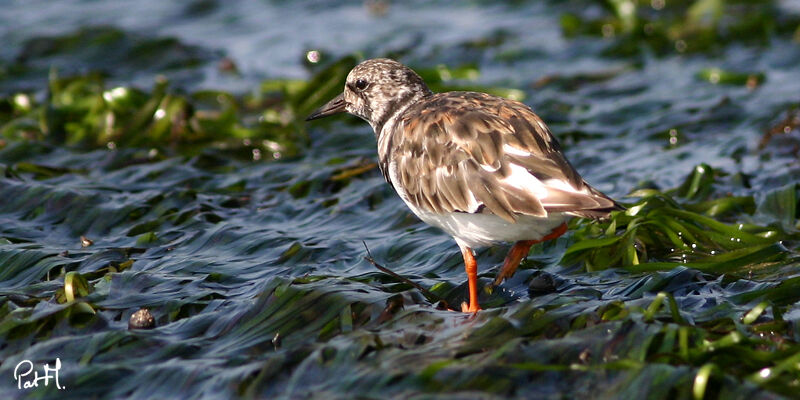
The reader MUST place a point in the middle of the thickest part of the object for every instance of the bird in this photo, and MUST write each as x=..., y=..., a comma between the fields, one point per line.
x=482, y=168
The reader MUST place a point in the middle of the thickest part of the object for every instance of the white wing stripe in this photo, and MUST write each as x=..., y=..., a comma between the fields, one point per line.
x=508, y=149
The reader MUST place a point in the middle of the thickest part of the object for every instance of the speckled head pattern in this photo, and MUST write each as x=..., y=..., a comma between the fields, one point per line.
x=377, y=89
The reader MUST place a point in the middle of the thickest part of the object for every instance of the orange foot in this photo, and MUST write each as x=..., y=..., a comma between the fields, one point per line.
x=470, y=309
x=471, y=267
x=518, y=252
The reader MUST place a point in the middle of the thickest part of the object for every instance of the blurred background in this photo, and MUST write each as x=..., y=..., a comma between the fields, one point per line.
x=154, y=155
x=648, y=77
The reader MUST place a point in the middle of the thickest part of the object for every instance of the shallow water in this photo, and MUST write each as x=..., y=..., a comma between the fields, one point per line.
x=255, y=270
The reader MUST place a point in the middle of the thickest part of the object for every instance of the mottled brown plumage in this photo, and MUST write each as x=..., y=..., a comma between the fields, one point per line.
x=482, y=168
x=449, y=144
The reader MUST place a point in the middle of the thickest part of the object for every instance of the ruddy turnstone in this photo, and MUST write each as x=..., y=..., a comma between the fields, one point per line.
x=483, y=168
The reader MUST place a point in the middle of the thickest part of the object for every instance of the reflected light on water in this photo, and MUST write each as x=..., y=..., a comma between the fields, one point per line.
x=313, y=56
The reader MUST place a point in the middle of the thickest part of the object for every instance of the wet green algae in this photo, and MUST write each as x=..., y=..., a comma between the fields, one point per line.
x=253, y=269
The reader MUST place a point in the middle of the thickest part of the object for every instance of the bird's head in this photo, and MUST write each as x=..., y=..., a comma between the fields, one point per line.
x=375, y=90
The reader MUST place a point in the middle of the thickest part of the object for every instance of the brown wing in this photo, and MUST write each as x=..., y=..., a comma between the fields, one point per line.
x=472, y=152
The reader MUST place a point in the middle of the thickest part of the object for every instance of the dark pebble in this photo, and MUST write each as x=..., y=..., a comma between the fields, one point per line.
x=541, y=284
x=142, y=319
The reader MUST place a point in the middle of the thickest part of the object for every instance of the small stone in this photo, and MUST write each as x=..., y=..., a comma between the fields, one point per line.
x=142, y=319
x=541, y=284
x=86, y=242
x=227, y=65
x=585, y=356
x=441, y=305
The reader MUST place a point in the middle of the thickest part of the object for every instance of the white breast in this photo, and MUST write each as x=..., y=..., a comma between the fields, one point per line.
x=476, y=230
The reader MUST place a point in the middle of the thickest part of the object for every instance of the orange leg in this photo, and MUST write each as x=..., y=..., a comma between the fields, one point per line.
x=472, y=278
x=519, y=251
x=514, y=257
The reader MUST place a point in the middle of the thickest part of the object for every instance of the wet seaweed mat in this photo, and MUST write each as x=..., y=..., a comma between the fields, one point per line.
x=244, y=232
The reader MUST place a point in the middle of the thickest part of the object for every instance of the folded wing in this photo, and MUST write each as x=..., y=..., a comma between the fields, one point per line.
x=480, y=153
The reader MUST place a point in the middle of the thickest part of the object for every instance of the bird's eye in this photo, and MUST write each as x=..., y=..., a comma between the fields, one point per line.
x=361, y=84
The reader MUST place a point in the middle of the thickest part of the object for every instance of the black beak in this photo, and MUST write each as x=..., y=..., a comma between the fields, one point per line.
x=334, y=106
